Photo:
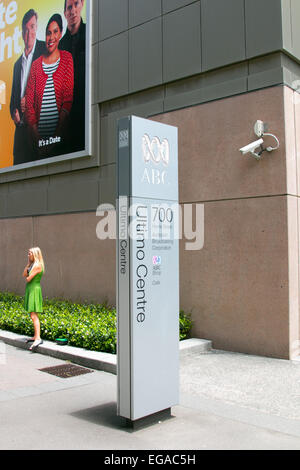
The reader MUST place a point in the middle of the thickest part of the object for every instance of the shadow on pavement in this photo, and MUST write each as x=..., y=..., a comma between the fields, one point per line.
x=106, y=415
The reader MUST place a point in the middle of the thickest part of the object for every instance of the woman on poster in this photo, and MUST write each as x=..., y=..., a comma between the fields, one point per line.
x=49, y=94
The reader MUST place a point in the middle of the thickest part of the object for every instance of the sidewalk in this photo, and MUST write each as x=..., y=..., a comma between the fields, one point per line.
x=227, y=401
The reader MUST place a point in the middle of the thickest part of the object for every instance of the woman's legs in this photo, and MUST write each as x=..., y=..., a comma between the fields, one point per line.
x=36, y=323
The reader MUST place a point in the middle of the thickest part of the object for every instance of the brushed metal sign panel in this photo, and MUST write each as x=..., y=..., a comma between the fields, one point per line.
x=147, y=267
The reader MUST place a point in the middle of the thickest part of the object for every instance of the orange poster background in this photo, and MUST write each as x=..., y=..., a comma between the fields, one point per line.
x=16, y=10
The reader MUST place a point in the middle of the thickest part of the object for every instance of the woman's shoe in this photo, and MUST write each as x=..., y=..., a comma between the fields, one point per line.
x=35, y=344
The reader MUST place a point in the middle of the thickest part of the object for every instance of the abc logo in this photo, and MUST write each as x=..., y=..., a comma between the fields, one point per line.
x=155, y=150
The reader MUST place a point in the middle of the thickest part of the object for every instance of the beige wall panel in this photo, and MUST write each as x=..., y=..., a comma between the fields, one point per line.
x=16, y=237
x=79, y=266
x=290, y=141
x=297, y=348
x=293, y=256
x=296, y=101
x=237, y=286
x=210, y=136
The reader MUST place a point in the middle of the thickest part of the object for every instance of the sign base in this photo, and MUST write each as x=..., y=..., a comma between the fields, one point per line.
x=148, y=420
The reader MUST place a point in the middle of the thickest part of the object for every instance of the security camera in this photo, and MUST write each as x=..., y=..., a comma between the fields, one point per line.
x=260, y=130
x=251, y=147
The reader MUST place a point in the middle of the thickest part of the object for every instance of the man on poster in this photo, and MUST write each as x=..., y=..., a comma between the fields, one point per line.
x=33, y=49
x=74, y=41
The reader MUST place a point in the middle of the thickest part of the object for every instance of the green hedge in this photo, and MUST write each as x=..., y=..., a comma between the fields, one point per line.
x=185, y=325
x=89, y=326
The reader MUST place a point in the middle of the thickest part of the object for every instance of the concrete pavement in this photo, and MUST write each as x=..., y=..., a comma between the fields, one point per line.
x=227, y=401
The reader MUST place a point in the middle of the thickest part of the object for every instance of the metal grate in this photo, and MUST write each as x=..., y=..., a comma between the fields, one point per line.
x=65, y=371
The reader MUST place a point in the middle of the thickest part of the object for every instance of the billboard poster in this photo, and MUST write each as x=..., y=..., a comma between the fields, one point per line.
x=44, y=81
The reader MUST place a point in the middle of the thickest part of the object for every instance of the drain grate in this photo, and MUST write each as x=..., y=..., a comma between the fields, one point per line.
x=65, y=371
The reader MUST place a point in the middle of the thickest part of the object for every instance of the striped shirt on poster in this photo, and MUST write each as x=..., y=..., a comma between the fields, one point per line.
x=49, y=112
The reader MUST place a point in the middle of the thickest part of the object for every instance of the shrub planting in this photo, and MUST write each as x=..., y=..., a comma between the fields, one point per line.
x=87, y=325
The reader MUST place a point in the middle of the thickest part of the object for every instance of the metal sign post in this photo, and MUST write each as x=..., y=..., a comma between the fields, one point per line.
x=147, y=268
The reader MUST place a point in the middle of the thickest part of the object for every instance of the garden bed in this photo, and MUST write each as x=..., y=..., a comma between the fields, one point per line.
x=89, y=326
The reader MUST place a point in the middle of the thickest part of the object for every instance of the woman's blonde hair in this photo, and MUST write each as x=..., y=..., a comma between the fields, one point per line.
x=38, y=257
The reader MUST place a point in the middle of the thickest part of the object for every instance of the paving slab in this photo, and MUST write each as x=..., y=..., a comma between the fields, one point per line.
x=228, y=401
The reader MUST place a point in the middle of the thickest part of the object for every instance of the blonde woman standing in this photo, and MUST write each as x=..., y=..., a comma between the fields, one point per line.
x=33, y=302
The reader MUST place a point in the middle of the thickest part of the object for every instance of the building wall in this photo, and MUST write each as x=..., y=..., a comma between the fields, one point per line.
x=78, y=265
x=212, y=68
x=243, y=286
x=140, y=65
